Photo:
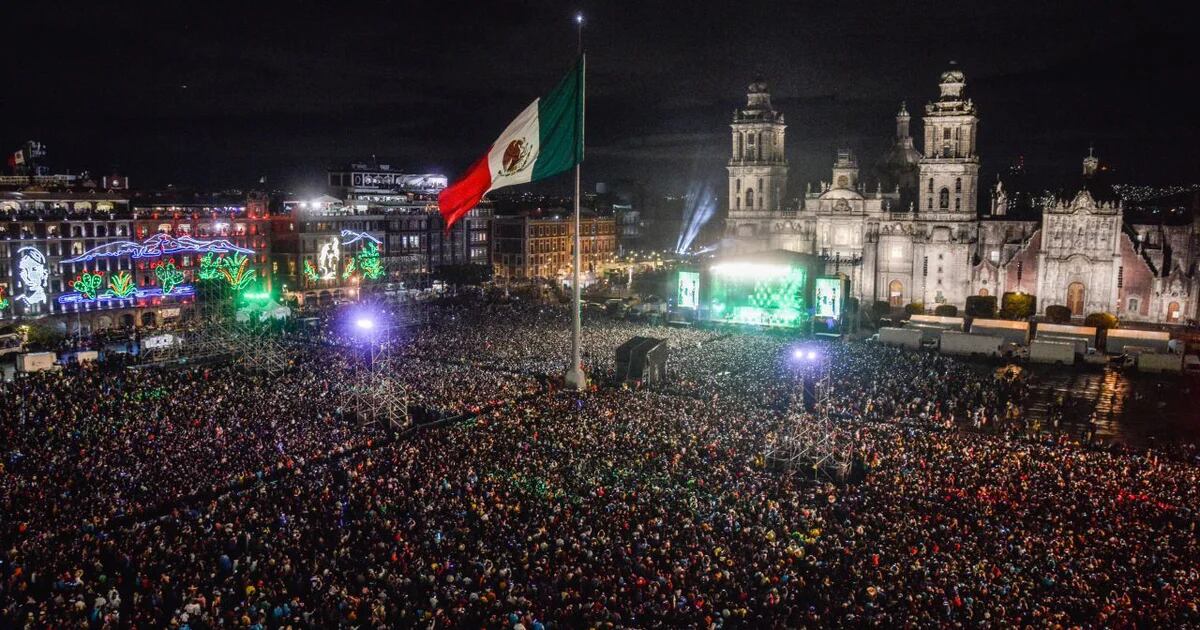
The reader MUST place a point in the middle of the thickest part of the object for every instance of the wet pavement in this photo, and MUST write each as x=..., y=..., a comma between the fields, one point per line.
x=1128, y=407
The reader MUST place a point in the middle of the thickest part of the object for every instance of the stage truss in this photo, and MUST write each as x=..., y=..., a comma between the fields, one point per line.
x=378, y=398
x=806, y=438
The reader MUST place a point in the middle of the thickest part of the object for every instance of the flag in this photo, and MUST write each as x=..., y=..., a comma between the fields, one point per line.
x=18, y=157
x=543, y=140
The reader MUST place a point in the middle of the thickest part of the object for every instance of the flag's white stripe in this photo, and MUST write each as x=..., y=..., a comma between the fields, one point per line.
x=524, y=128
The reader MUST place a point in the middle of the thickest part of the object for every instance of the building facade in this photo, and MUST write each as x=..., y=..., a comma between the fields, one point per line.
x=540, y=247
x=917, y=234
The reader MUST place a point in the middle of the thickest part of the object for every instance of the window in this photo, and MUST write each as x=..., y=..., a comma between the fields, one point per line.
x=749, y=197
x=1133, y=304
x=944, y=199
x=1121, y=278
x=958, y=184
x=925, y=266
x=930, y=184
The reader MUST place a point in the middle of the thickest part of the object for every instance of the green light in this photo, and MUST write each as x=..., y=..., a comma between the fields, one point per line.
x=121, y=285
x=349, y=270
x=88, y=284
x=761, y=295
x=168, y=276
x=237, y=271
x=257, y=295
x=368, y=261
x=210, y=266
x=311, y=273
x=3, y=300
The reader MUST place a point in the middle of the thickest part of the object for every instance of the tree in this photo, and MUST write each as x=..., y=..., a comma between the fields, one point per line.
x=1018, y=305
x=1058, y=314
x=946, y=310
x=879, y=310
x=1102, y=321
x=983, y=306
x=915, y=308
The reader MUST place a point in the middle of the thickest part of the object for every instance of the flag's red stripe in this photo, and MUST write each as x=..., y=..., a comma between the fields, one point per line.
x=458, y=198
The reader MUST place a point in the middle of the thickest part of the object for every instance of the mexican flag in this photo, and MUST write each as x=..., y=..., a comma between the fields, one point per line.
x=544, y=140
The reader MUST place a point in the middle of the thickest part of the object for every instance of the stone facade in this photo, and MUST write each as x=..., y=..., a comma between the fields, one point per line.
x=917, y=236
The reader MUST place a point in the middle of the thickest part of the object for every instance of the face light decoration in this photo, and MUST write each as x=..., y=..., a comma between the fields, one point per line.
x=327, y=259
x=34, y=275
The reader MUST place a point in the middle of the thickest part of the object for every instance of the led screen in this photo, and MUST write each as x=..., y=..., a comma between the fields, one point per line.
x=827, y=297
x=689, y=289
x=758, y=294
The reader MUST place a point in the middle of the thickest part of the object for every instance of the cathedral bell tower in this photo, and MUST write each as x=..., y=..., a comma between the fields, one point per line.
x=949, y=166
x=757, y=167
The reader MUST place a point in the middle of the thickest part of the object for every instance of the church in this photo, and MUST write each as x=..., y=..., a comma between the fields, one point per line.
x=916, y=233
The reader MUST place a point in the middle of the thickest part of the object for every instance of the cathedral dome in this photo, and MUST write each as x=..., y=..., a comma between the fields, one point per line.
x=953, y=75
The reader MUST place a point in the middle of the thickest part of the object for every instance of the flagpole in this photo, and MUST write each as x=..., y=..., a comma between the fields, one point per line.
x=575, y=377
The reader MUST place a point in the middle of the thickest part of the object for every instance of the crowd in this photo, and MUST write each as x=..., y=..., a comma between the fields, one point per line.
x=545, y=509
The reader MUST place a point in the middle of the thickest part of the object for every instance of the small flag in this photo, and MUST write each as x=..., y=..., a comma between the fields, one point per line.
x=18, y=157
x=544, y=140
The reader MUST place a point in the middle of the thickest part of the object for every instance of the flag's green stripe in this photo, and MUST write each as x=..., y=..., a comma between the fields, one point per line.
x=560, y=122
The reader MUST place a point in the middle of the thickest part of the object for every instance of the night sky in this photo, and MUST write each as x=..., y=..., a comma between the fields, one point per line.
x=214, y=95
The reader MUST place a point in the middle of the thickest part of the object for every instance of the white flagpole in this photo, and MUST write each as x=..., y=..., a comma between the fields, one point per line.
x=575, y=377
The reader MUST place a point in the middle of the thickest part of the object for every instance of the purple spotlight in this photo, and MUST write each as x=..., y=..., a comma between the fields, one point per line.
x=811, y=355
x=364, y=323
x=798, y=353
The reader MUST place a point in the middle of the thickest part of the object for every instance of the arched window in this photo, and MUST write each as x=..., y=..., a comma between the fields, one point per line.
x=1173, y=312
x=749, y=197
x=983, y=293
x=957, y=184
x=895, y=293
x=930, y=184
x=944, y=199
x=737, y=144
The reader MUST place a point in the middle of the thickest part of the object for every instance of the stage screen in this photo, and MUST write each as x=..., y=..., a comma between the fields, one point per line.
x=827, y=297
x=761, y=294
x=689, y=290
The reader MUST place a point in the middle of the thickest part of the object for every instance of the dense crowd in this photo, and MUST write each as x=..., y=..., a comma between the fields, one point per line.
x=545, y=509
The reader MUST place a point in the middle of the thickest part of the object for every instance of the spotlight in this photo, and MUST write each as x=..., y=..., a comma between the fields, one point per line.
x=812, y=354
x=364, y=323
x=798, y=353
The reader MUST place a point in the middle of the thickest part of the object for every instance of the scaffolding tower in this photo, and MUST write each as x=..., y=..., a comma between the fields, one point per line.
x=806, y=438
x=378, y=398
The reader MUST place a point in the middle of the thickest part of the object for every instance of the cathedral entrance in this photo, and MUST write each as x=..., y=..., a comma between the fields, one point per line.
x=1075, y=293
x=1173, y=312
x=895, y=293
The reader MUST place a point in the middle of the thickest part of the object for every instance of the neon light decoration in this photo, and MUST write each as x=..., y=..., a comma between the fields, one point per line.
x=120, y=285
x=168, y=276
x=88, y=284
x=327, y=259
x=237, y=271
x=368, y=261
x=351, y=237
x=33, y=274
x=3, y=300
x=158, y=246
x=349, y=270
x=309, y=272
x=210, y=266
x=179, y=290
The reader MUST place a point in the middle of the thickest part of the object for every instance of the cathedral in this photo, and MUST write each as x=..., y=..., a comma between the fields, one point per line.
x=917, y=234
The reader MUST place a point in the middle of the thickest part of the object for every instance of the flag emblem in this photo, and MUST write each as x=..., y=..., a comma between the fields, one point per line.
x=516, y=157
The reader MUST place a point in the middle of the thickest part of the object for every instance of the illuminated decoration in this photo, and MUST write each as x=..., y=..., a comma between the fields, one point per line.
x=120, y=285
x=368, y=261
x=3, y=301
x=210, y=266
x=257, y=295
x=158, y=246
x=237, y=271
x=689, y=289
x=327, y=259
x=827, y=297
x=349, y=270
x=309, y=272
x=179, y=290
x=759, y=294
x=168, y=276
x=351, y=237
x=88, y=284
x=33, y=274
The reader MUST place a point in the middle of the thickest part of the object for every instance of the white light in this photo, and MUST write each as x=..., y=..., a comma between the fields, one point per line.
x=750, y=269
x=579, y=18
x=364, y=323
x=812, y=354
x=798, y=353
